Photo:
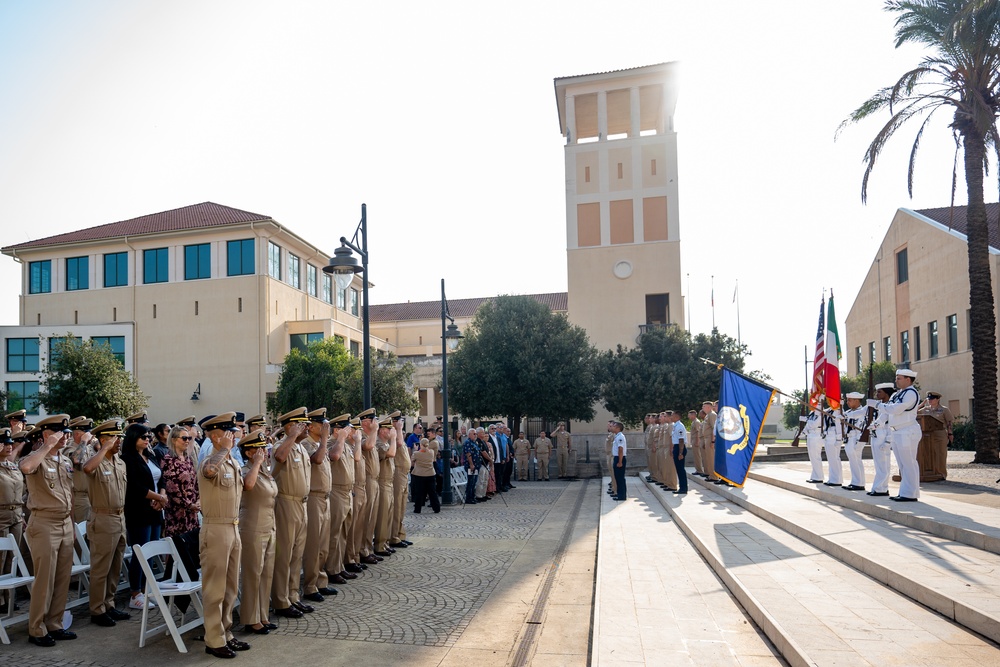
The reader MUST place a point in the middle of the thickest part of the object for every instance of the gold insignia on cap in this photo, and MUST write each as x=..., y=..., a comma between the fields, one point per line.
x=356, y=422
x=54, y=423
x=318, y=415
x=187, y=421
x=367, y=414
x=255, y=439
x=225, y=421
x=81, y=423
x=110, y=427
x=20, y=415
x=257, y=421
x=296, y=415
x=341, y=421
x=385, y=422
x=137, y=418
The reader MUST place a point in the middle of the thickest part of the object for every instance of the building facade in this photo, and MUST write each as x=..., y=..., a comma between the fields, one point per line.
x=913, y=306
x=205, y=301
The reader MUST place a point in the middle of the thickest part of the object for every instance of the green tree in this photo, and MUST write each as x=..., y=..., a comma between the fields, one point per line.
x=961, y=75
x=84, y=378
x=665, y=372
x=325, y=375
x=792, y=410
x=883, y=371
x=519, y=359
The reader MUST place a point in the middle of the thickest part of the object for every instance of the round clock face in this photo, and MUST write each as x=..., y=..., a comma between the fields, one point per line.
x=623, y=269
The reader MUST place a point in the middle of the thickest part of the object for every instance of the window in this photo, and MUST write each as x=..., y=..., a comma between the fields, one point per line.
x=77, y=273
x=354, y=301
x=902, y=267
x=952, y=324
x=198, y=261
x=887, y=349
x=22, y=355
x=932, y=331
x=327, y=288
x=858, y=364
x=274, y=260
x=301, y=341
x=240, y=258
x=342, y=299
x=115, y=343
x=22, y=396
x=116, y=269
x=871, y=352
x=54, y=346
x=355, y=348
x=904, y=347
x=311, y=279
x=916, y=343
x=40, y=277
x=294, y=272
x=154, y=266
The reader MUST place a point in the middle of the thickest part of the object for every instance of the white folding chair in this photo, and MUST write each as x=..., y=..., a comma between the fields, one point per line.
x=176, y=583
x=459, y=481
x=10, y=582
x=81, y=566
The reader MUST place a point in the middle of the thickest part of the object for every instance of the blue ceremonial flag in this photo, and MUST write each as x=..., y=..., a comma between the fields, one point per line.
x=743, y=405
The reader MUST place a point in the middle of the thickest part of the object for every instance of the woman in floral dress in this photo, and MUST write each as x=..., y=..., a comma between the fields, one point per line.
x=180, y=482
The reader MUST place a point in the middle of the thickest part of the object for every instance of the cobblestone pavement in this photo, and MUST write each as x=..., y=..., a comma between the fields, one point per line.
x=424, y=596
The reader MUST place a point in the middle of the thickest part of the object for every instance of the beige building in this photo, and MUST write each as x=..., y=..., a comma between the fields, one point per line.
x=202, y=302
x=913, y=307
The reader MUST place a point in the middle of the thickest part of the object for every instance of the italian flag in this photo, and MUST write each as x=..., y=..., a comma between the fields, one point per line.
x=832, y=371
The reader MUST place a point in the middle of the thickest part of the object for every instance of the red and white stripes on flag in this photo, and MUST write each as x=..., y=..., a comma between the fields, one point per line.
x=826, y=366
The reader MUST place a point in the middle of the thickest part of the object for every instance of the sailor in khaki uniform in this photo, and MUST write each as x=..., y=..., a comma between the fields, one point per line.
x=608, y=443
x=708, y=440
x=342, y=471
x=400, y=482
x=369, y=427
x=18, y=421
x=650, y=437
x=49, y=477
x=522, y=452
x=11, y=497
x=104, y=473
x=940, y=432
x=79, y=451
x=564, y=450
x=256, y=534
x=694, y=436
x=291, y=470
x=317, y=507
x=664, y=450
x=220, y=488
x=137, y=418
x=359, y=505
x=385, y=443
x=543, y=449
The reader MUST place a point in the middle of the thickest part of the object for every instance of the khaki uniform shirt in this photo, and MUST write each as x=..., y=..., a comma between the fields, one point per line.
x=11, y=494
x=257, y=507
x=293, y=474
x=940, y=414
x=694, y=433
x=343, y=469
x=79, y=454
x=522, y=447
x=543, y=446
x=373, y=466
x=360, y=473
x=50, y=486
x=220, y=496
x=708, y=429
x=386, y=466
x=562, y=439
x=664, y=437
x=320, y=479
x=107, y=484
x=402, y=461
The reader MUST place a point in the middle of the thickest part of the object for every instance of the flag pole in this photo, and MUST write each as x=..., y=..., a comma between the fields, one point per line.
x=709, y=362
x=739, y=337
x=689, y=303
x=713, y=302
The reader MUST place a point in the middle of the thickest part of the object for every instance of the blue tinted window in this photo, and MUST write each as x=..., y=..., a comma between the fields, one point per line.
x=240, y=260
x=22, y=396
x=40, y=277
x=154, y=264
x=116, y=269
x=197, y=261
x=115, y=343
x=77, y=273
x=22, y=355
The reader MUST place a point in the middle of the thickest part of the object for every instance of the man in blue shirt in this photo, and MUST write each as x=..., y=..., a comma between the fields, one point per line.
x=414, y=438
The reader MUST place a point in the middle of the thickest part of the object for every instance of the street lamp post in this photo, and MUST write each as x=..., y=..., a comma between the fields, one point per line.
x=449, y=340
x=343, y=266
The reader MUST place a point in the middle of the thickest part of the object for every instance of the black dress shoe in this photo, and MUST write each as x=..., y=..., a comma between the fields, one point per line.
x=45, y=640
x=878, y=493
x=378, y=559
x=383, y=554
x=904, y=499
x=221, y=652
x=853, y=487
x=408, y=543
x=511, y=487
x=337, y=579
x=830, y=484
x=313, y=597
x=118, y=615
x=348, y=575
x=326, y=590
x=814, y=481
x=354, y=567
x=103, y=620
x=288, y=612
x=390, y=549
x=304, y=608
x=62, y=635
x=257, y=631
x=271, y=626
x=371, y=560
x=236, y=645
x=398, y=545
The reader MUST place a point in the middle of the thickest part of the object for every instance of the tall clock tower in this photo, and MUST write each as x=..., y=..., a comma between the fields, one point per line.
x=622, y=222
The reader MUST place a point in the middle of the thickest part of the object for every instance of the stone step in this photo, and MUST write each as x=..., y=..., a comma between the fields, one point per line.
x=814, y=608
x=935, y=515
x=964, y=586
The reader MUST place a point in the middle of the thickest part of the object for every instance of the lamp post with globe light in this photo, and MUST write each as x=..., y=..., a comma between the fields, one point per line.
x=343, y=265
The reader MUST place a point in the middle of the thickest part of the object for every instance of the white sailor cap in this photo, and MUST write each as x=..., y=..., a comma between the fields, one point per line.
x=888, y=386
x=906, y=372
x=856, y=394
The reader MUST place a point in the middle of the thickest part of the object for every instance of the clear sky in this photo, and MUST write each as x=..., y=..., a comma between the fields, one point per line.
x=441, y=116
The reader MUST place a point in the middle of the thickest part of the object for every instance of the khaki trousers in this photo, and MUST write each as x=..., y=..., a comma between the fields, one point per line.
x=697, y=451
x=562, y=460
x=257, y=563
x=611, y=471
x=51, y=543
x=340, y=510
x=107, y=549
x=543, y=467
x=220, y=549
x=665, y=464
x=358, y=519
x=290, y=542
x=384, y=519
x=373, y=490
x=708, y=459
x=317, y=540
x=522, y=467
x=81, y=508
x=654, y=465
x=397, y=531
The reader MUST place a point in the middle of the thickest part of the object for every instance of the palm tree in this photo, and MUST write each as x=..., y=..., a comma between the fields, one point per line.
x=962, y=75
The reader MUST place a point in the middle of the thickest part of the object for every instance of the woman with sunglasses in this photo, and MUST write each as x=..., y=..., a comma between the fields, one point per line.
x=180, y=483
x=143, y=503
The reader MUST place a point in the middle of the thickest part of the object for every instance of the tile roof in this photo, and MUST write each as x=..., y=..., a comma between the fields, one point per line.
x=198, y=216
x=954, y=218
x=429, y=310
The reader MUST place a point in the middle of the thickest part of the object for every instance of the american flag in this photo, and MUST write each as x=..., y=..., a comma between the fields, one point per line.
x=819, y=360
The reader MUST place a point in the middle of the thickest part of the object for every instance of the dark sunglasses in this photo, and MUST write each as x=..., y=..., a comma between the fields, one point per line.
x=186, y=438
x=143, y=437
